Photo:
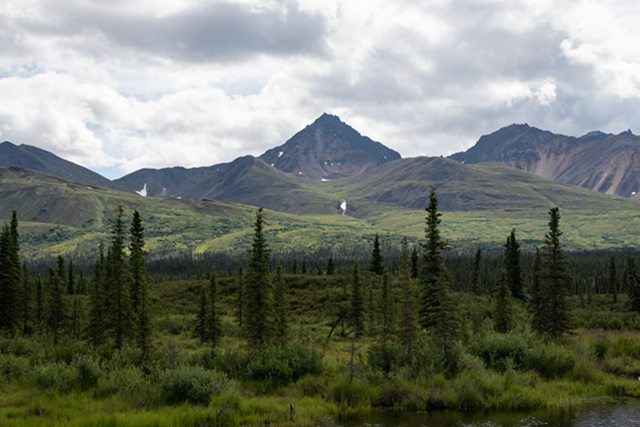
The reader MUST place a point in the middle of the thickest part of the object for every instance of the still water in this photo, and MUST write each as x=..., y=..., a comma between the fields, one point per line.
x=621, y=414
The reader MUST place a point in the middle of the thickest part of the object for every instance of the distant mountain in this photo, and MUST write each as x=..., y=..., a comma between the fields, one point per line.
x=168, y=183
x=328, y=149
x=602, y=162
x=405, y=183
x=36, y=159
x=247, y=180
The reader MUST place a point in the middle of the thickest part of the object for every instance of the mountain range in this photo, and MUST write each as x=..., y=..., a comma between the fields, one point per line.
x=598, y=161
x=330, y=185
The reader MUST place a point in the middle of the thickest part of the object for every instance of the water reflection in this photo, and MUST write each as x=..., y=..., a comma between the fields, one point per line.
x=619, y=415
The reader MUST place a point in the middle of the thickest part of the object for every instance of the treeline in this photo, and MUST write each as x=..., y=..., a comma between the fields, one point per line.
x=118, y=296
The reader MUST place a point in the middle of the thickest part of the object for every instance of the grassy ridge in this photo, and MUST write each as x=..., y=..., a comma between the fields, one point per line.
x=482, y=204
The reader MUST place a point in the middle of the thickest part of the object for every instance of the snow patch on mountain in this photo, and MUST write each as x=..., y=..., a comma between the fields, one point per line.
x=143, y=191
x=343, y=207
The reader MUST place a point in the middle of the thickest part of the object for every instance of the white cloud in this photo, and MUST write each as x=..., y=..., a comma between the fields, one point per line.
x=151, y=83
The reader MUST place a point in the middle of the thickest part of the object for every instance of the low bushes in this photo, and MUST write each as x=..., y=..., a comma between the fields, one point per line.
x=284, y=364
x=191, y=384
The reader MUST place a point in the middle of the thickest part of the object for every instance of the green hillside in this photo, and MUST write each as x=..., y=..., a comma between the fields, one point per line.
x=481, y=203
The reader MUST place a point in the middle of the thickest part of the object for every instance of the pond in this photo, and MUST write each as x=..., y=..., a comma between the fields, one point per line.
x=620, y=415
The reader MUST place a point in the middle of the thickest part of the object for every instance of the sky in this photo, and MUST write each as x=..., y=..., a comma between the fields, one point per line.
x=124, y=84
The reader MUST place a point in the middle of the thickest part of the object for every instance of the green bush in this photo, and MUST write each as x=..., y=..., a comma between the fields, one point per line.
x=55, y=376
x=191, y=384
x=89, y=371
x=427, y=356
x=387, y=357
x=550, y=360
x=498, y=351
x=129, y=382
x=600, y=349
x=284, y=364
x=12, y=367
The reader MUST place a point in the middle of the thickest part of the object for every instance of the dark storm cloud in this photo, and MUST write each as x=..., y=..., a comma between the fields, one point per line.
x=207, y=32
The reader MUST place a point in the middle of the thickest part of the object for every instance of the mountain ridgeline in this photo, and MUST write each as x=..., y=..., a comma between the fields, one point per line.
x=598, y=161
x=329, y=185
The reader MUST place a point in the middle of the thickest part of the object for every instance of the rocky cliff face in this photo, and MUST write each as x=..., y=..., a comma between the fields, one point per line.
x=601, y=162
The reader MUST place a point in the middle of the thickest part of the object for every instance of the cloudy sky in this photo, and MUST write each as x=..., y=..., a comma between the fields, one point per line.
x=123, y=84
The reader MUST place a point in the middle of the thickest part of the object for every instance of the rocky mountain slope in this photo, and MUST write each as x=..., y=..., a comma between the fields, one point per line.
x=328, y=149
x=598, y=161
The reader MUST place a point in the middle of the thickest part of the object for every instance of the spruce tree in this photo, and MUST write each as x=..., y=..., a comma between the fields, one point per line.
x=117, y=283
x=376, y=265
x=613, y=280
x=213, y=316
x=280, y=300
x=71, y=286
x=26, y=296
x=201, y=321
x=512, y=266
x=408, y=316
x=139, y=286
x=240, y=298
x=387, y=309
x=434, y=274
x=536, y=296
x=96, y=326
x=357, y=306
x=414, y=263
x=258, y=320
x=556, y=278
x=503, y=314
x=304, y=266
x=331, y=268
x=10, y=276
x=633, y=285
x=475, y=273
x=56, y=307
x=40, y=306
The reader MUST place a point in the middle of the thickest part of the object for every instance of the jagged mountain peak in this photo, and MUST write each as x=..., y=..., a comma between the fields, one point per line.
x=328, y=148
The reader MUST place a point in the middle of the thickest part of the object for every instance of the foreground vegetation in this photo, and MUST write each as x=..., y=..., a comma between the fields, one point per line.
x=267, y=346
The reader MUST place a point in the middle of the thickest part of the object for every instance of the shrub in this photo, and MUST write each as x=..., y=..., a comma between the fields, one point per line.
x=550, y=360
x=12, y=367
x=89, y=371
x=55, y=376
x=129, y=381
x=387, y=357
x=427, y=356
x=498, y=351
x=600, y=349
x=284, y=364
x=191, y=384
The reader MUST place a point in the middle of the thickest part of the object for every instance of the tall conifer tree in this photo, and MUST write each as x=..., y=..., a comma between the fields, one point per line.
x=434, y=303
x=475, y=273
x=376, y=265
x=408, y=316
x=357, y=305
x=258, y=292
x=139, y=286
x=117, y=283
x=280, y=300
x=555, y=279
x=512, y=266
x=213, y=316
x=503, y=313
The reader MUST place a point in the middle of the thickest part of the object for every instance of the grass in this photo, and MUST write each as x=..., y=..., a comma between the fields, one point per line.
x=41, y=384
